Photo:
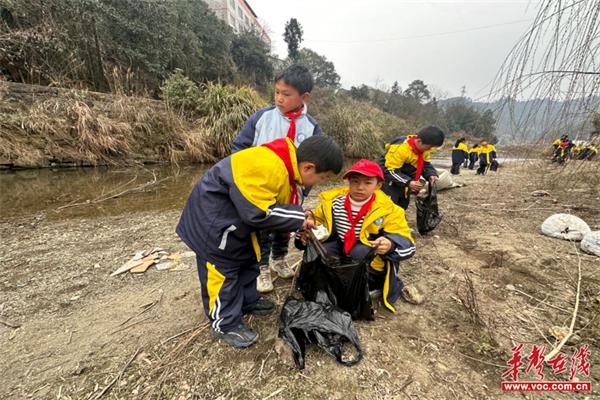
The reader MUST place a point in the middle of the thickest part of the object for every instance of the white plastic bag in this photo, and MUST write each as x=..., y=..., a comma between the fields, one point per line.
x=444, y=182
x=565, y=226
x=591, y=243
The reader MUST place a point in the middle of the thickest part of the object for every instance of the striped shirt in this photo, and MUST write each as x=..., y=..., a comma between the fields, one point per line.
x=340, y=216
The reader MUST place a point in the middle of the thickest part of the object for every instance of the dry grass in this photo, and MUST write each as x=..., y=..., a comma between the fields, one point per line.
x=84, y=128
x=361, y=129
x=41, y=126
x=224, y=111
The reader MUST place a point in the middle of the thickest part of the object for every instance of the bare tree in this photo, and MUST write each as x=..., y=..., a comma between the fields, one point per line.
x=555, y=65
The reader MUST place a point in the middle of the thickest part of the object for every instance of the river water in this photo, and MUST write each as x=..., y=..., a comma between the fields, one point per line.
x=33, y=191
x=26, y=192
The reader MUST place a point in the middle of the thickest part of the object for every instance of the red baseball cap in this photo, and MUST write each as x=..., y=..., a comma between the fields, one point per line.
x=365, y=167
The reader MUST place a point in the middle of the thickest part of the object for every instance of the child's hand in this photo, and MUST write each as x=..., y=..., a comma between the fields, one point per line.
x=383, y=245
x=415, y=186
x=303, y=236
x=309, y=224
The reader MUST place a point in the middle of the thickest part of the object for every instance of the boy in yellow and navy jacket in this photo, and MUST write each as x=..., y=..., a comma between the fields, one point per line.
x=460, y=153
x=562, y=149
x=405, y=160
x=589, y=152
x=577, y=150
x=473, y=156
x=487, y=157
x=359, y=217
x=252, y=190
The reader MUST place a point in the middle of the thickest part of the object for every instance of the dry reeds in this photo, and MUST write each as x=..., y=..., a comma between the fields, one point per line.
x=86, y=128
x=361, y=129
x=224, y=111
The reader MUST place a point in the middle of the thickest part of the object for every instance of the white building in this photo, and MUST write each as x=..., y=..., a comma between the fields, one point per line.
x=239, y=16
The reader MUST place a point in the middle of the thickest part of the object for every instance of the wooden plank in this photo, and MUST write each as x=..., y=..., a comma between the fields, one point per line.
x=143, y=267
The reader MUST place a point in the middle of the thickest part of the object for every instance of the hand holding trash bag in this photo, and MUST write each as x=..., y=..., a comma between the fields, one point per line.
x=342, y=283
x=428, y=215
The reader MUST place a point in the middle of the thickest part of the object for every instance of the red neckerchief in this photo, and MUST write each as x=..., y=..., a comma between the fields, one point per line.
x=420, y=160
x=564, y=144
x=350, y=236
x=292, y=115
x=280, y=147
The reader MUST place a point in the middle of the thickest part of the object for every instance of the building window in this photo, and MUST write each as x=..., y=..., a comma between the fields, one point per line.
x=232, y=4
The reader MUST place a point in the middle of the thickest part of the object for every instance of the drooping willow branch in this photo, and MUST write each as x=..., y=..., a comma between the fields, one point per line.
x=556, y=60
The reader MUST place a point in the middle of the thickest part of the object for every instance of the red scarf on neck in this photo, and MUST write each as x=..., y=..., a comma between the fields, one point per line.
x=280, y=147
x=420, y=160
x=292, y=115
x=350, y=235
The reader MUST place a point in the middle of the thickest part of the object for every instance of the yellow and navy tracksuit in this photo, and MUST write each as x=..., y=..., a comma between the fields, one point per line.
x=242, y=194
x=460, y=153
x=383, y=219
x=399, y=165
x=588, y=153
x=487, y=155
x=562, y=150
x=473, y=156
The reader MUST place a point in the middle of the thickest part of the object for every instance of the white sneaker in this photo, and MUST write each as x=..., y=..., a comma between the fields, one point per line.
x=282, y=268
x=264, y=283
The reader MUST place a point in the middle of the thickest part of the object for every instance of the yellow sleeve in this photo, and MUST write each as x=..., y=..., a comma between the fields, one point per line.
x=258, y=180
x=426, y=155
x=319, y=212
x=396, y=156
x=260, y=191
x=395, y=223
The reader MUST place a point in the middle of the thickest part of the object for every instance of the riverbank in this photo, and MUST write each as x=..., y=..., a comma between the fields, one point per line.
x=44, y=126
x=78, y=328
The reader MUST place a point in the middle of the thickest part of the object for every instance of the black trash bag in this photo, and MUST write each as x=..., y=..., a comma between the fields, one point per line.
x=428, y=215
x=303, y=322
x=494, y=165
x=325, y=280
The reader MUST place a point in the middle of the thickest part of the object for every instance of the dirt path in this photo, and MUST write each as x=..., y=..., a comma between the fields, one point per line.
x=76, y=335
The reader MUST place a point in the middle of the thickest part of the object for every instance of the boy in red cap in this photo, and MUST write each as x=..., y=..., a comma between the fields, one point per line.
x=359, y=217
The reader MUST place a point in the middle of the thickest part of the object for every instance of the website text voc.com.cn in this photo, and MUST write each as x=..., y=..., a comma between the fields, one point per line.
x=546, y=386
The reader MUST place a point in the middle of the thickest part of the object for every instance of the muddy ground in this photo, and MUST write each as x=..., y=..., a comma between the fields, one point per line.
x=81, y=331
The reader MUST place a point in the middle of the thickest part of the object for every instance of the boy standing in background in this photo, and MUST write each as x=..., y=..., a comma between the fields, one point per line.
x=287, y=118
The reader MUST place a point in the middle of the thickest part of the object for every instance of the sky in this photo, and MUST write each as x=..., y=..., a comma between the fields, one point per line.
x=447, y=44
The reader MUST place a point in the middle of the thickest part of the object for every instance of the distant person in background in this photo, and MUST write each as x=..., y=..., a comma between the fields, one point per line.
x=473, y=156
x=487, y=157
x=407, y=159
x=460, y=153
x=577, y=150
x=589, y=152
x=562, y=149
